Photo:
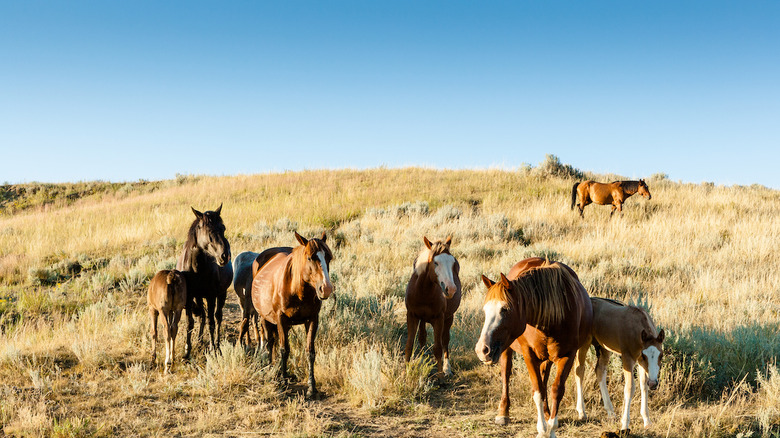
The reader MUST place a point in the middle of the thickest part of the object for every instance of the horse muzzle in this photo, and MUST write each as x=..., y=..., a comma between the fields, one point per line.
x=324, y=291
x=448, y=291
x=652, y=384
x=487, y=354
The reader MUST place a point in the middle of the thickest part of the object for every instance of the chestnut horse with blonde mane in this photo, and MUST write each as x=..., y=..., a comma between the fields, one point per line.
x=614, y=193
x=433, y=296
x=288, y=289
x=543, y=312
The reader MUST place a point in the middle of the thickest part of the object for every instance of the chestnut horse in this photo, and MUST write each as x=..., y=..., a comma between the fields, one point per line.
x=543, y=312
x=433, y=296
x=288, y=289
x=630, y=332
x=614, y=193
x=167, y=295
x=243, y=274
x=205, y=262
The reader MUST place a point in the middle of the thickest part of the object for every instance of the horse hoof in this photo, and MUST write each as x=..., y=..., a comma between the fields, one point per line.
x=313, y=394
x=502, y=420
x=624, y=433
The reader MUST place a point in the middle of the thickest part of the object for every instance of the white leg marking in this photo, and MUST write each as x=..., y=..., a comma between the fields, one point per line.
x=628, y=392
x=541, y=425
x=447, y=367
x=643, y=389
x=605, y=396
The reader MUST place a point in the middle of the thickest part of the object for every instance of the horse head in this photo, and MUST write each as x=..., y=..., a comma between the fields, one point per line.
x=445, y=267
x=209, y=235
x=504, y=320
x=643, y=190
x=652, y=353
x=316, y=264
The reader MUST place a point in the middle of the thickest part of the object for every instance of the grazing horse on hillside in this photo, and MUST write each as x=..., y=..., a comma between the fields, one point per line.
x=628, y=331
x=614, y=193
x=433, y=296
x=205, y=262
x=288, y=289
x=167, y=295
x=244, y=270
x=543, y=312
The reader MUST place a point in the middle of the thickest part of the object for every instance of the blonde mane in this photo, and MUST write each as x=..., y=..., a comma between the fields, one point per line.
x=548, y=290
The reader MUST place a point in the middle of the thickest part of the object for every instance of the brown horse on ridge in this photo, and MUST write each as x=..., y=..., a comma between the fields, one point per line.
x=288, y=289
x=433, y=296
x=545, y=314
x=167, y=295
x=614, y=193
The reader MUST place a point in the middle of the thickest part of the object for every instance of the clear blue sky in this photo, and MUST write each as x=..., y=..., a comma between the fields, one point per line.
x=124, y=90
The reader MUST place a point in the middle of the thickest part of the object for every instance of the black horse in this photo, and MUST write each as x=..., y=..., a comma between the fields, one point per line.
x=206, y=265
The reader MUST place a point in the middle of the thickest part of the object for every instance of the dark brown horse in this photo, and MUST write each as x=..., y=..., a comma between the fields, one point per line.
x=205, y=264
x=614, y=193
x=433, y=296
x=287, y=290
x=543, y=312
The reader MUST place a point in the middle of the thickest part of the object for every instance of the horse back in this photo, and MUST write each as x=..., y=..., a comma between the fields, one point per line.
x=618, y=327
x=566, y=337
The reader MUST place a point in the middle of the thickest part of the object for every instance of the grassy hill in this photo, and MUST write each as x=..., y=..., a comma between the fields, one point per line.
x=75, y=261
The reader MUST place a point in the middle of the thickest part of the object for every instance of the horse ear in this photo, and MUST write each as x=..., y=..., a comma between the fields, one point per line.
x=488, y=282
x=448, y=242
x=198, y=214
x=302, y=240
x=504, y=281
x=661, y=336
x=219, y=209
x=324, y=237
x=428, y=243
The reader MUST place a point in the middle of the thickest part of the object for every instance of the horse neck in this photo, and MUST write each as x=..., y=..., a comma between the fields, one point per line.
x=630, y=187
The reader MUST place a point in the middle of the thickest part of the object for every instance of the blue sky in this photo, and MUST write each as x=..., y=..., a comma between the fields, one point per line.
x=121, y=91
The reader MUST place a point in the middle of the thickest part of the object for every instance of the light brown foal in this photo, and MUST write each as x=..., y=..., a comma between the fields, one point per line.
x=167, y=296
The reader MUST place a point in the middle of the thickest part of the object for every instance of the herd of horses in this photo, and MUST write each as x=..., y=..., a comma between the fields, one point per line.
x=538, y=309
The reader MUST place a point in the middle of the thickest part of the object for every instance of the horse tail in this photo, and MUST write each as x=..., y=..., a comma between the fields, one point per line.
x=574, y=195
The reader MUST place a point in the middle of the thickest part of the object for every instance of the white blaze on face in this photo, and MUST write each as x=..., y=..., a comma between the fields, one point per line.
x=653, y=367
x=492, y=311
x=324, y=265
x=443, y=267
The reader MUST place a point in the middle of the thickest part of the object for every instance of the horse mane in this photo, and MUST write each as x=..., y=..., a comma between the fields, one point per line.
x=421, y=261
x=298, y=259
x=549, y=289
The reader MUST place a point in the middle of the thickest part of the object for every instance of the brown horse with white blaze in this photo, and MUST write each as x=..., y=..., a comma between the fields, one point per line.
x=433, y=296
x=287, y=290
x=629, y=332
x=614, y=193
x=543, y=312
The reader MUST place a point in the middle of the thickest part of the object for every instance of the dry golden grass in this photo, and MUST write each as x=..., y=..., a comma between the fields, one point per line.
x=74, y=346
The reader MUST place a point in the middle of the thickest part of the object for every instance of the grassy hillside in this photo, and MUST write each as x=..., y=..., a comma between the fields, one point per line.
x=74, y=268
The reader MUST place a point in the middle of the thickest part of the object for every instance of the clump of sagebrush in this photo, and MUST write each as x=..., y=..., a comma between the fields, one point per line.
x=552, y=166
x=231, y=369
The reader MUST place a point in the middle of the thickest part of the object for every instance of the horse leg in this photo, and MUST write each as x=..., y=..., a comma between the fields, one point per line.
x=563, y=366
x=438, y=327
x=271, y=342
x=579, y=374
x=505, y=363
x=210, y=307
x=218, y=314
x=261, y=338
x=602, y=361
x=311, y=334
x=445, y=344
x=174, y=330
x=644, y=409
x=540, y=393
x=284, y=345
x=628, y=390
x=153, y=315
x=166, y=323
x=411, y=332
x=190, y=329
x=422, y=335
x=546, y=367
